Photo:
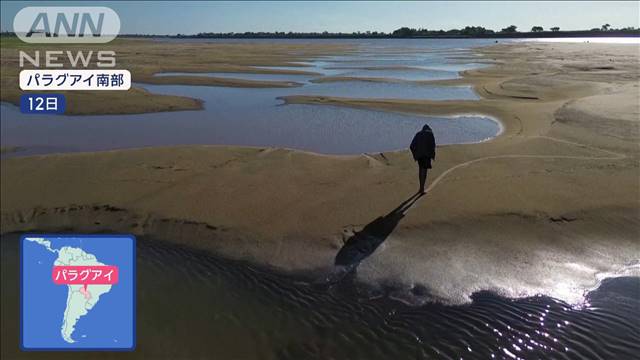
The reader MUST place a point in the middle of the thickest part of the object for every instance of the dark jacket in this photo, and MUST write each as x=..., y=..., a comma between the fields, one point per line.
x=423, y=144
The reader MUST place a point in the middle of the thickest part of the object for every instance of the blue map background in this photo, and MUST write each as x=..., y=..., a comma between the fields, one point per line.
x=109, y=324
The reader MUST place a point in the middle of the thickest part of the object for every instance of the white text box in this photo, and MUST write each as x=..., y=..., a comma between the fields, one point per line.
x=75, y=79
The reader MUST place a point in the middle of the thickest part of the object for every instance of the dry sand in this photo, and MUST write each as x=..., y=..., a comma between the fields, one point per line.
x=550, y=206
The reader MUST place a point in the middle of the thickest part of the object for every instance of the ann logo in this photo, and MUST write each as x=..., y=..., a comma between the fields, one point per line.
x=59, y=24
x=71, y=28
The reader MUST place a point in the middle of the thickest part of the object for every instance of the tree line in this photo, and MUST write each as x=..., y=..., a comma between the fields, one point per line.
x=479, y=31
x=406, y=32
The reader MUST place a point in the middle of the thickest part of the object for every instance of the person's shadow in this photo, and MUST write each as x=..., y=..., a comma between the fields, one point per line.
x=363, y=243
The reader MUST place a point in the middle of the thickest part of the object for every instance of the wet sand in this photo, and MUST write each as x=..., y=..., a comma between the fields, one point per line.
x=550, y=206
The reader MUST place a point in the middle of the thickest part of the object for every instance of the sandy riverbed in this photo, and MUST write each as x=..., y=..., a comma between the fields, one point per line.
x=145, y=58
x=549, y=206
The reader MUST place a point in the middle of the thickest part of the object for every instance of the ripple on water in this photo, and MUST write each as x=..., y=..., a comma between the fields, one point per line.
x=336, y=321
x=259, y=314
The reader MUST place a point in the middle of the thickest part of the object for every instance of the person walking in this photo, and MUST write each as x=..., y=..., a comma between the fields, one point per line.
x=423, y=149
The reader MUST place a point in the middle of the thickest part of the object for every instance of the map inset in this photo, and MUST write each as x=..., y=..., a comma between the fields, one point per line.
x=78, y=292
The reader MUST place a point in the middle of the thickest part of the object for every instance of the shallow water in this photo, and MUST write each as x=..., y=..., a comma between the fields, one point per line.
x=408, y=74
x=256, y=117
x=244, y=76
x=324, y=129
x=191, y=305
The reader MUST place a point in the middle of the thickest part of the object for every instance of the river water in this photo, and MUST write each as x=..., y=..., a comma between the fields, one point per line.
x=257, y=117
x=192, y=305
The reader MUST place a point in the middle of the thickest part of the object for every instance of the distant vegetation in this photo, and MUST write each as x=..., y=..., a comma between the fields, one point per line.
x=509, y=30
x=406, y=32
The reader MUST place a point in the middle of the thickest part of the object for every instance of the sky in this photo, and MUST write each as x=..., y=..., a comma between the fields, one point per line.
x=169, y=17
